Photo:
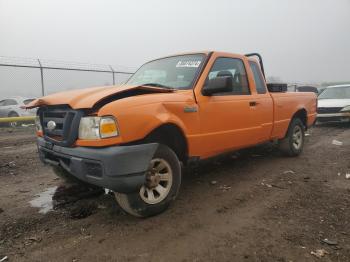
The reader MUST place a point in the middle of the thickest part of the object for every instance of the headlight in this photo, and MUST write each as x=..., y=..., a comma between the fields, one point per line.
x=93, y=127
x=345, y=109
x=38, y=124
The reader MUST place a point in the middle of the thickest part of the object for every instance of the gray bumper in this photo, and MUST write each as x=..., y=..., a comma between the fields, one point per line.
x=343, y=117
x=118, y=168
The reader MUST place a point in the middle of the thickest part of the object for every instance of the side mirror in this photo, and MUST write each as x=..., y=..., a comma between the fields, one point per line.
x=217, y=85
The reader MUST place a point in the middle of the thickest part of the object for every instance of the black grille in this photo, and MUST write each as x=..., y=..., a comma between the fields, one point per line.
x=66, y=123
x=328, y=110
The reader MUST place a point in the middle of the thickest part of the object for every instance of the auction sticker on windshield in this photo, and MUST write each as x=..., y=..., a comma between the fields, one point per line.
x=188, y=63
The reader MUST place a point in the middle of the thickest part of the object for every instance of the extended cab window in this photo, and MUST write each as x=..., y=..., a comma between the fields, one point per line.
x=176, y=72
x=258, y=78
x=232, y=67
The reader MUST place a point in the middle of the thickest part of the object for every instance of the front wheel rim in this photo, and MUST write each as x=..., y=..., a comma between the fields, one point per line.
x=159, y=179
x=297, y=138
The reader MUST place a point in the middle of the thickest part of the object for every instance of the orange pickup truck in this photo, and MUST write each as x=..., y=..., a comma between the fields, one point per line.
x=134, y=139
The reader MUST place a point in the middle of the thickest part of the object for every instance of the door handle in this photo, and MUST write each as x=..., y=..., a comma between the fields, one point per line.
x=253, y=103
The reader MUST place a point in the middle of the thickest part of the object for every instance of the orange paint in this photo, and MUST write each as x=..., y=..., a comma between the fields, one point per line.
x=218, y=123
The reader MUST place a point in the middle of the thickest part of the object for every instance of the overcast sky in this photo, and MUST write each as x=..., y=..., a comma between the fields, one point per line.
x=300, y=40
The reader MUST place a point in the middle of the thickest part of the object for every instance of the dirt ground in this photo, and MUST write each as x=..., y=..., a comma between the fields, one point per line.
x=255, y=205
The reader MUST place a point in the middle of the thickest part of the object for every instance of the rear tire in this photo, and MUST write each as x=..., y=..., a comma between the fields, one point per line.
x=293, y=143
x=161, y=187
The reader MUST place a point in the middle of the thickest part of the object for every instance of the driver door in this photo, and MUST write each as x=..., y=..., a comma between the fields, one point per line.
x=227, y=119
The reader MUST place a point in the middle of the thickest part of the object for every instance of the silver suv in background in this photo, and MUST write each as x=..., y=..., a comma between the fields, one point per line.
x=12, y=107
x=334, y=104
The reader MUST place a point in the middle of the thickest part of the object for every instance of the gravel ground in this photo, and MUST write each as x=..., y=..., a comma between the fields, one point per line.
x=255, y=205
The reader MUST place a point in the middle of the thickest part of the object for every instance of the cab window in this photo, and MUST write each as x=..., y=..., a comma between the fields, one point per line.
x=258, y=78
x=8, y=102
x=232, y=67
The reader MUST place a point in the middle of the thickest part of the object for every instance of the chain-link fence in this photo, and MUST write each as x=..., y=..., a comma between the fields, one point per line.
x=33, y=78
x=22, y=79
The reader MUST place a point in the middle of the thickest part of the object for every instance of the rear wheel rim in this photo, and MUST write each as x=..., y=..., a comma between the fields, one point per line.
x=159, y=179
x=297, y=138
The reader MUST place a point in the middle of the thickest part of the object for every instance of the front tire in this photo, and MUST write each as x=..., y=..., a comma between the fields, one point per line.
x=162, y=184
x=293, y=143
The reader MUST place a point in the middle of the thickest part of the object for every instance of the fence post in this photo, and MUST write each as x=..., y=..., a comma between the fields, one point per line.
x=42, y=78
x=112, y=74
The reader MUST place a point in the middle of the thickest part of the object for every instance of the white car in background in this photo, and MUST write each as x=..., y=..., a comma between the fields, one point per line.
x=12, y=107
x=334, y=104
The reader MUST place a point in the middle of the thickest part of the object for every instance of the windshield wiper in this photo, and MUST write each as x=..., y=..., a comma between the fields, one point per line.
x=157, y=85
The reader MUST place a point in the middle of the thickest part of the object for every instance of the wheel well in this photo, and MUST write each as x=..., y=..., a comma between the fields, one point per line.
x=302, y=115
x=12, y=113
x=172, y=136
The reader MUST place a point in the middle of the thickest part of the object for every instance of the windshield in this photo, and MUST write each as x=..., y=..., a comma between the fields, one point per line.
x=27, y=101
x=341, y=92
x=176, y=72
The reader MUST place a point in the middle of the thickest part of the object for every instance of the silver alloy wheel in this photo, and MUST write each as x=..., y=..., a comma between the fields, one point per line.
x=297, y=137
x=159, y=180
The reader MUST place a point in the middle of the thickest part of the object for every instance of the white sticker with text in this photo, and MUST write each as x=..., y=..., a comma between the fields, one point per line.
x=188, y=64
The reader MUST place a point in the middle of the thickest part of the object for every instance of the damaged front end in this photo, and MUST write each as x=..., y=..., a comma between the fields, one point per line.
x=120, y=168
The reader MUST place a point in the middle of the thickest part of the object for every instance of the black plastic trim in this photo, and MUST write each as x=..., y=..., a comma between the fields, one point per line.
x=123, y=167
x=70, y=122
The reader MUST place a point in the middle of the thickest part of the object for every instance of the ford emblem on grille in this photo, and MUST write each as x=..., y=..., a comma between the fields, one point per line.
x=51, y=125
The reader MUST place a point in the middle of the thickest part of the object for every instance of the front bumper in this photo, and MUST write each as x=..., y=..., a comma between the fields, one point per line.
x=342, y=117
x=118, y=168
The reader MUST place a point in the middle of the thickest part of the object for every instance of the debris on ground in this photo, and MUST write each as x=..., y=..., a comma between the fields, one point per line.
x=319, y=253
x=213, y=182
x=33, y=239
x=288, y=172
x=329, y=242
x=271, y=185
x=225, y=188
x=347, y=176
x=4, y=259
x=9, y=164
x=265, y=184
x=337, y=143
x=307, y=134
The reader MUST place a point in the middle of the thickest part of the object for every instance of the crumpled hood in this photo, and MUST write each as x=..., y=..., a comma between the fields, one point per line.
x=333, y=102
x=89, y=97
